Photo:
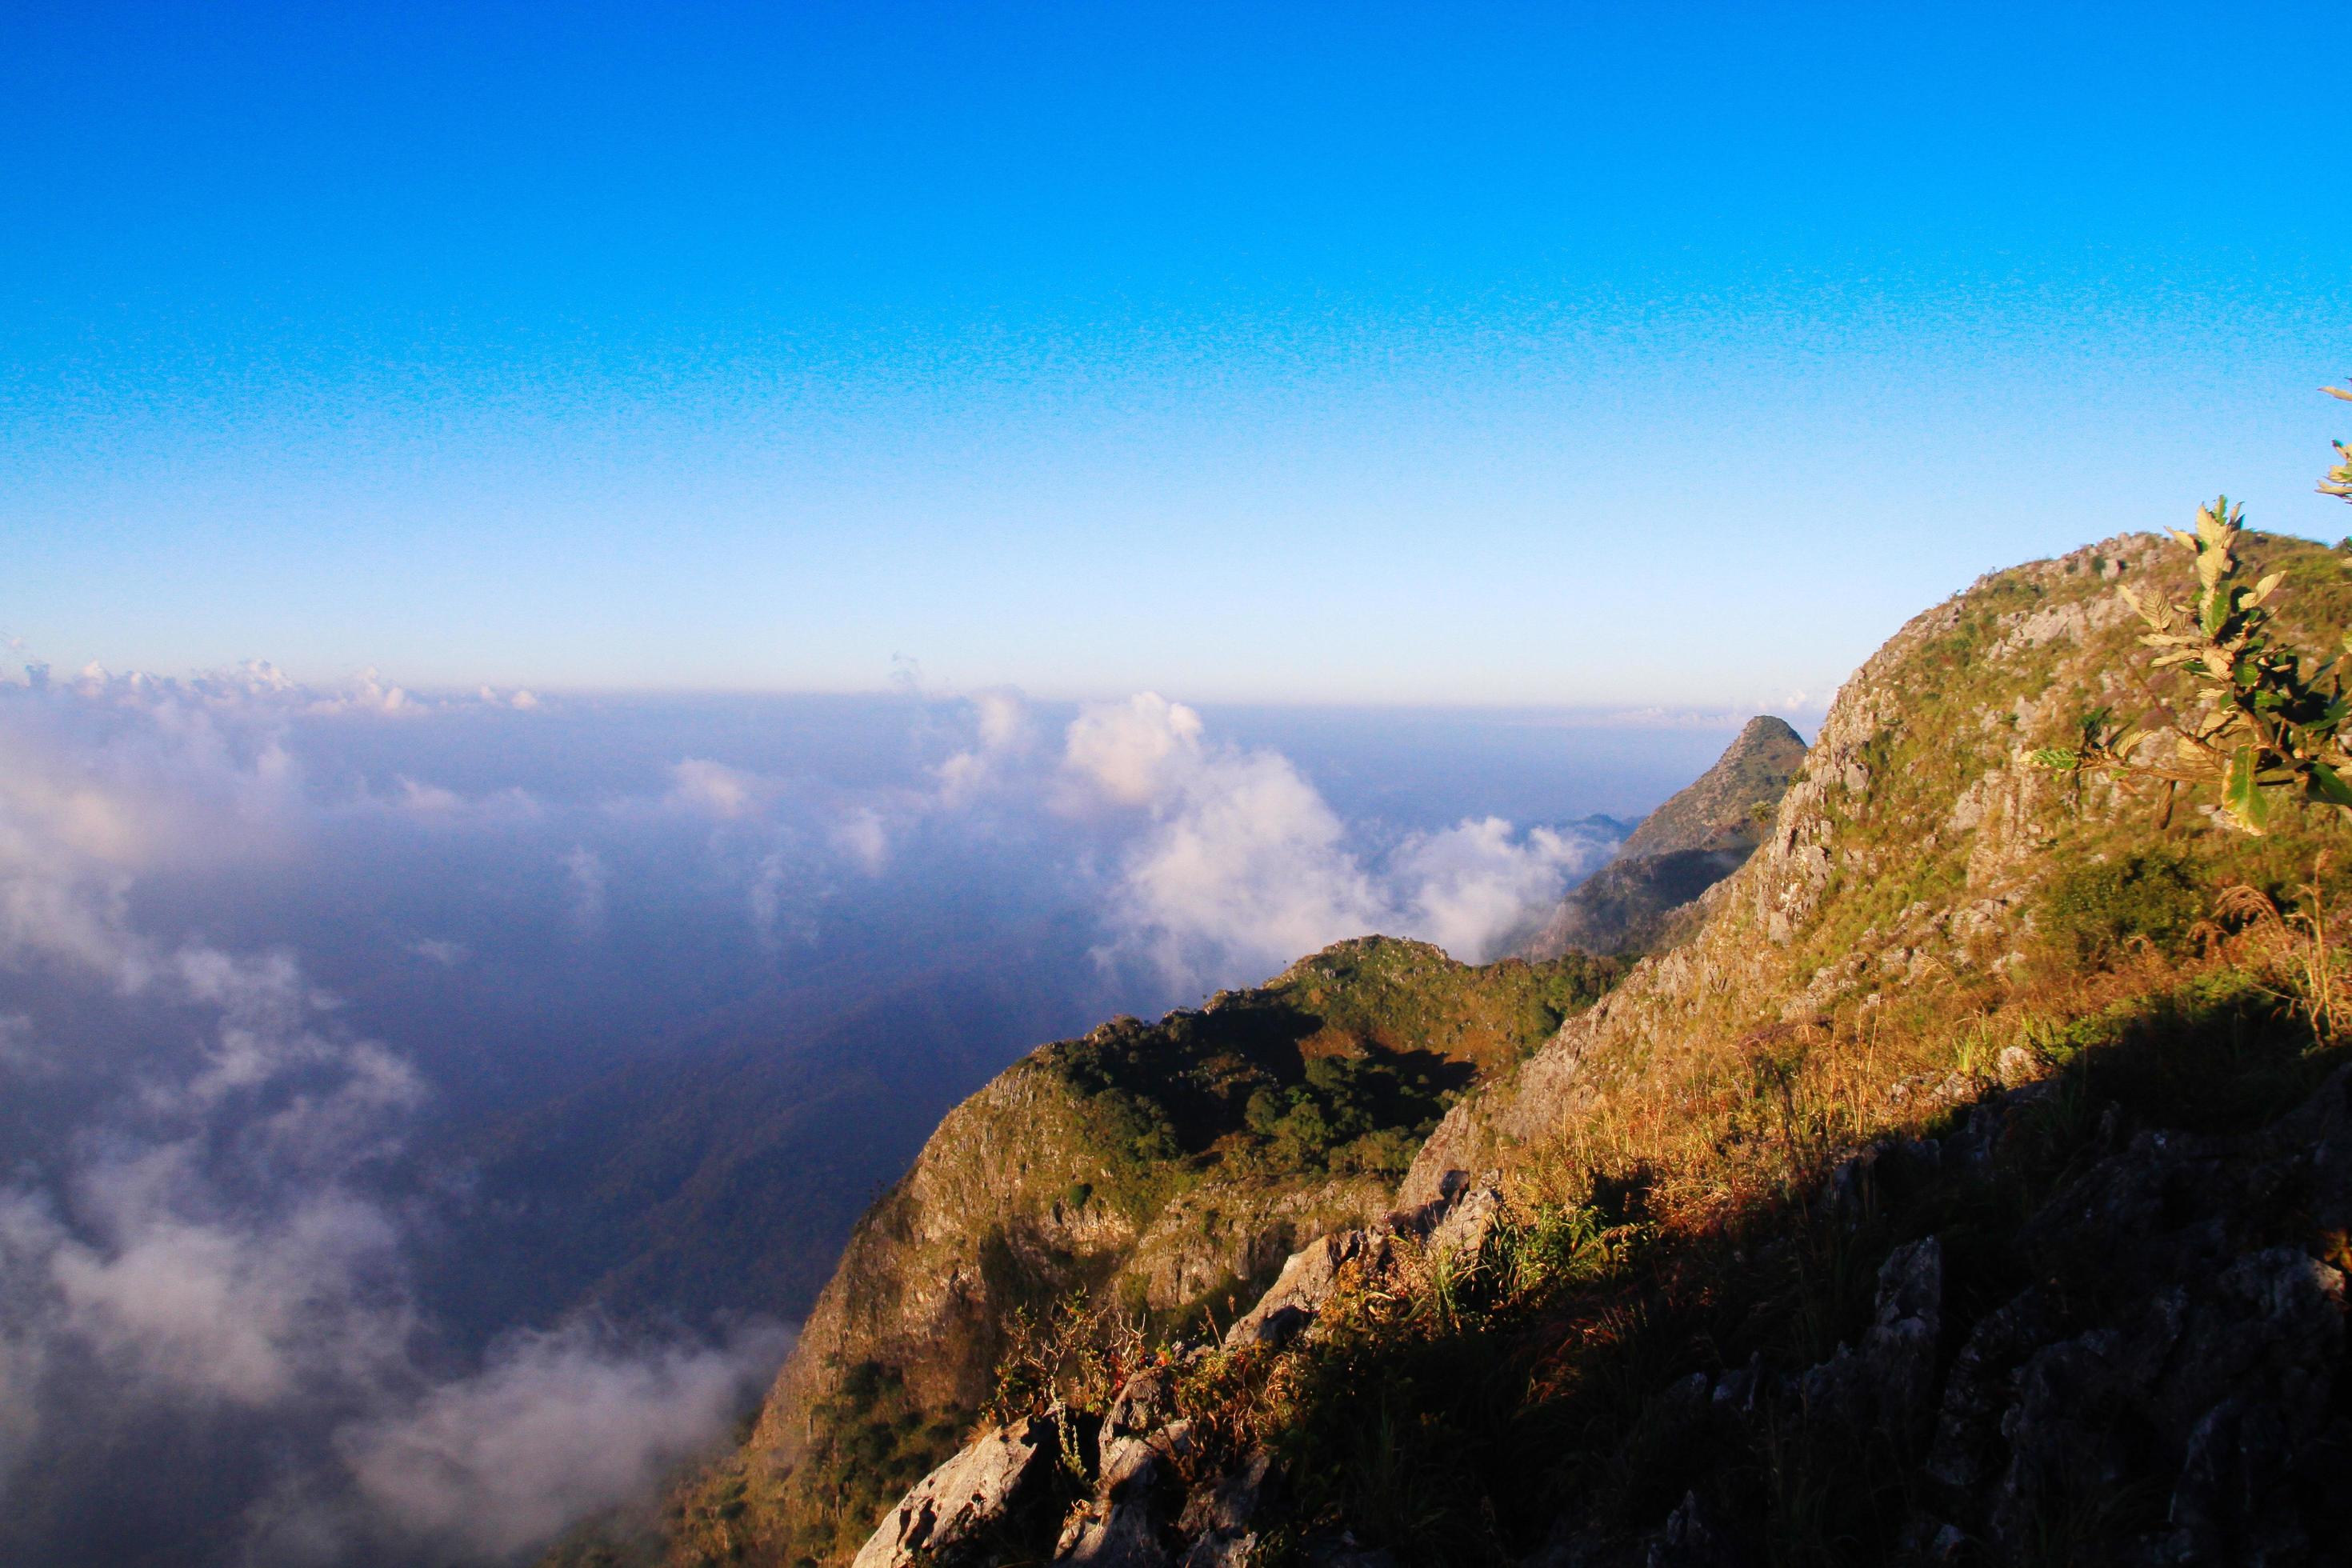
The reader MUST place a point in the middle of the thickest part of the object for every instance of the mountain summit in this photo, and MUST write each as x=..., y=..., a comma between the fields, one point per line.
x=1970, y=1182
x=1720, y=808
x=1686, y=846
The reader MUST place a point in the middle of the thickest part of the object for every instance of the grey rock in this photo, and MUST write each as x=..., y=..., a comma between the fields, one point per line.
x=1232, y=1503
x=1691, y=1539
x=972, y=1491
x=1125, y=1535
x=1978, y=1390
x=1888, y=1377
x=1223, y=1549
x=1144, y=1404
x=1458, y=1216
x=1734, y=1393
x=1298, y=1292
x=1125, y=1523
x=1880, y=1172
x=1463, y=1224
x=2063, y=1434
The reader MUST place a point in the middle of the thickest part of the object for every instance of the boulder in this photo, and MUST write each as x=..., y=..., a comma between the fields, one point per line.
x=1456, y=1219
x=980, y=1485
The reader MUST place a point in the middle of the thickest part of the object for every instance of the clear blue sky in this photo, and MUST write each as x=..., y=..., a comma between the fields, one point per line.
x=1560, y=354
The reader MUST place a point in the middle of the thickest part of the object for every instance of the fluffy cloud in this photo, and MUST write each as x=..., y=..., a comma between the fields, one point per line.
x=1002, y=736
x=1243, y=865
x=1138, y=751
x=208, y=1235
x=554, y=1427
x=217, y=1224
x=716, y=790
x=1475, y=887
x=585, y=881
x=101, y=787
x=249, y=1309
x=861, y=835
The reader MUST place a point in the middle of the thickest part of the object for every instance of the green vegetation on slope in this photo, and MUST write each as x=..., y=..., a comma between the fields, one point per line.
x=2081, y=1053
x=1717, y=809
x=1341, y=1064
x=1139, y=1181
x=2083, y=1047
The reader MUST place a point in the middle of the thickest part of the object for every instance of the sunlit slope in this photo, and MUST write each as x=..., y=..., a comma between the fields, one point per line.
x=1906, y=882
x=1156, y=1171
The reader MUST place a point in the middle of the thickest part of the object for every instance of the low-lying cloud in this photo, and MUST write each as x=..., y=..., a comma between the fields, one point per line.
x=206, y=1231
x=210, y=1238
x=555, y=1426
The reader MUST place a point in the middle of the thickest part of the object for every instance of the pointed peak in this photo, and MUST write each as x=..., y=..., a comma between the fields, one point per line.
x=1718, y=809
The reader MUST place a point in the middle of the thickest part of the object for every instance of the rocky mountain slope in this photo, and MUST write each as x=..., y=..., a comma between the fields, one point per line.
x=1140, y=1179
x=1686, y=846
x=1972, y=1184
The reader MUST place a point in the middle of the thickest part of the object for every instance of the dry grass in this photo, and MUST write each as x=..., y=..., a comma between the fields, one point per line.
x=2293, y=949
x=1739, y=1117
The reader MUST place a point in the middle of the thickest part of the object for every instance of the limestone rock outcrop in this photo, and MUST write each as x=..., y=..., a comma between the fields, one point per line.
x=949, y=1509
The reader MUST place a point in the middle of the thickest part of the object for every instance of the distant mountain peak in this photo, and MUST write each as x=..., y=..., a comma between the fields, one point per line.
x=1717, y=810
x=1692, y=842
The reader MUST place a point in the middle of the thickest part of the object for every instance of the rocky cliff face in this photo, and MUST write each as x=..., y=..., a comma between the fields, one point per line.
x=1963, y=1189
x=1147, y=1175
x=1686, y=846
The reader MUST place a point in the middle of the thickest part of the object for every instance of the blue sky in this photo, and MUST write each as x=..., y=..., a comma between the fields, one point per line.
x=1659, y=354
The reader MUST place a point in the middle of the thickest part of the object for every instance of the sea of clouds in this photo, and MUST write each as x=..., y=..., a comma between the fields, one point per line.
x=263, y=944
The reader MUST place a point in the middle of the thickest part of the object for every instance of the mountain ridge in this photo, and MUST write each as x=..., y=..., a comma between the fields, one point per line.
x=1796, y=1179
x=1156, y=1169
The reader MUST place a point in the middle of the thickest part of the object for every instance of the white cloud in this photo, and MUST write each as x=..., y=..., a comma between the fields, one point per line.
x=427, y=797
x=778, y=899
x=1243, y=867
x=213, y=1238
x=715, y=790
x=585, y=881
x=246, y=1309
x=1472, y=887
x=218, y=1235
x=1134, y=751
x=1004, y=734
x=555, y=1426
x=861, y=835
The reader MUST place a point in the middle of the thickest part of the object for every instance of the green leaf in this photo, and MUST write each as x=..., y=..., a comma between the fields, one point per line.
x=2242, y=791
x=2057, y=759
x=2326, y=783
x=2216, y=612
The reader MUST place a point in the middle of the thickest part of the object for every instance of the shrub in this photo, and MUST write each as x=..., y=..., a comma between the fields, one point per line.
x=2099, y=908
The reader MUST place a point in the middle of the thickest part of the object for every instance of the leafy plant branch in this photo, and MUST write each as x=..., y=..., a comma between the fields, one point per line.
x=2266, y=723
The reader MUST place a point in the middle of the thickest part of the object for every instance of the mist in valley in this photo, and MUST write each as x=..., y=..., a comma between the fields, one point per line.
x=426, y=1115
